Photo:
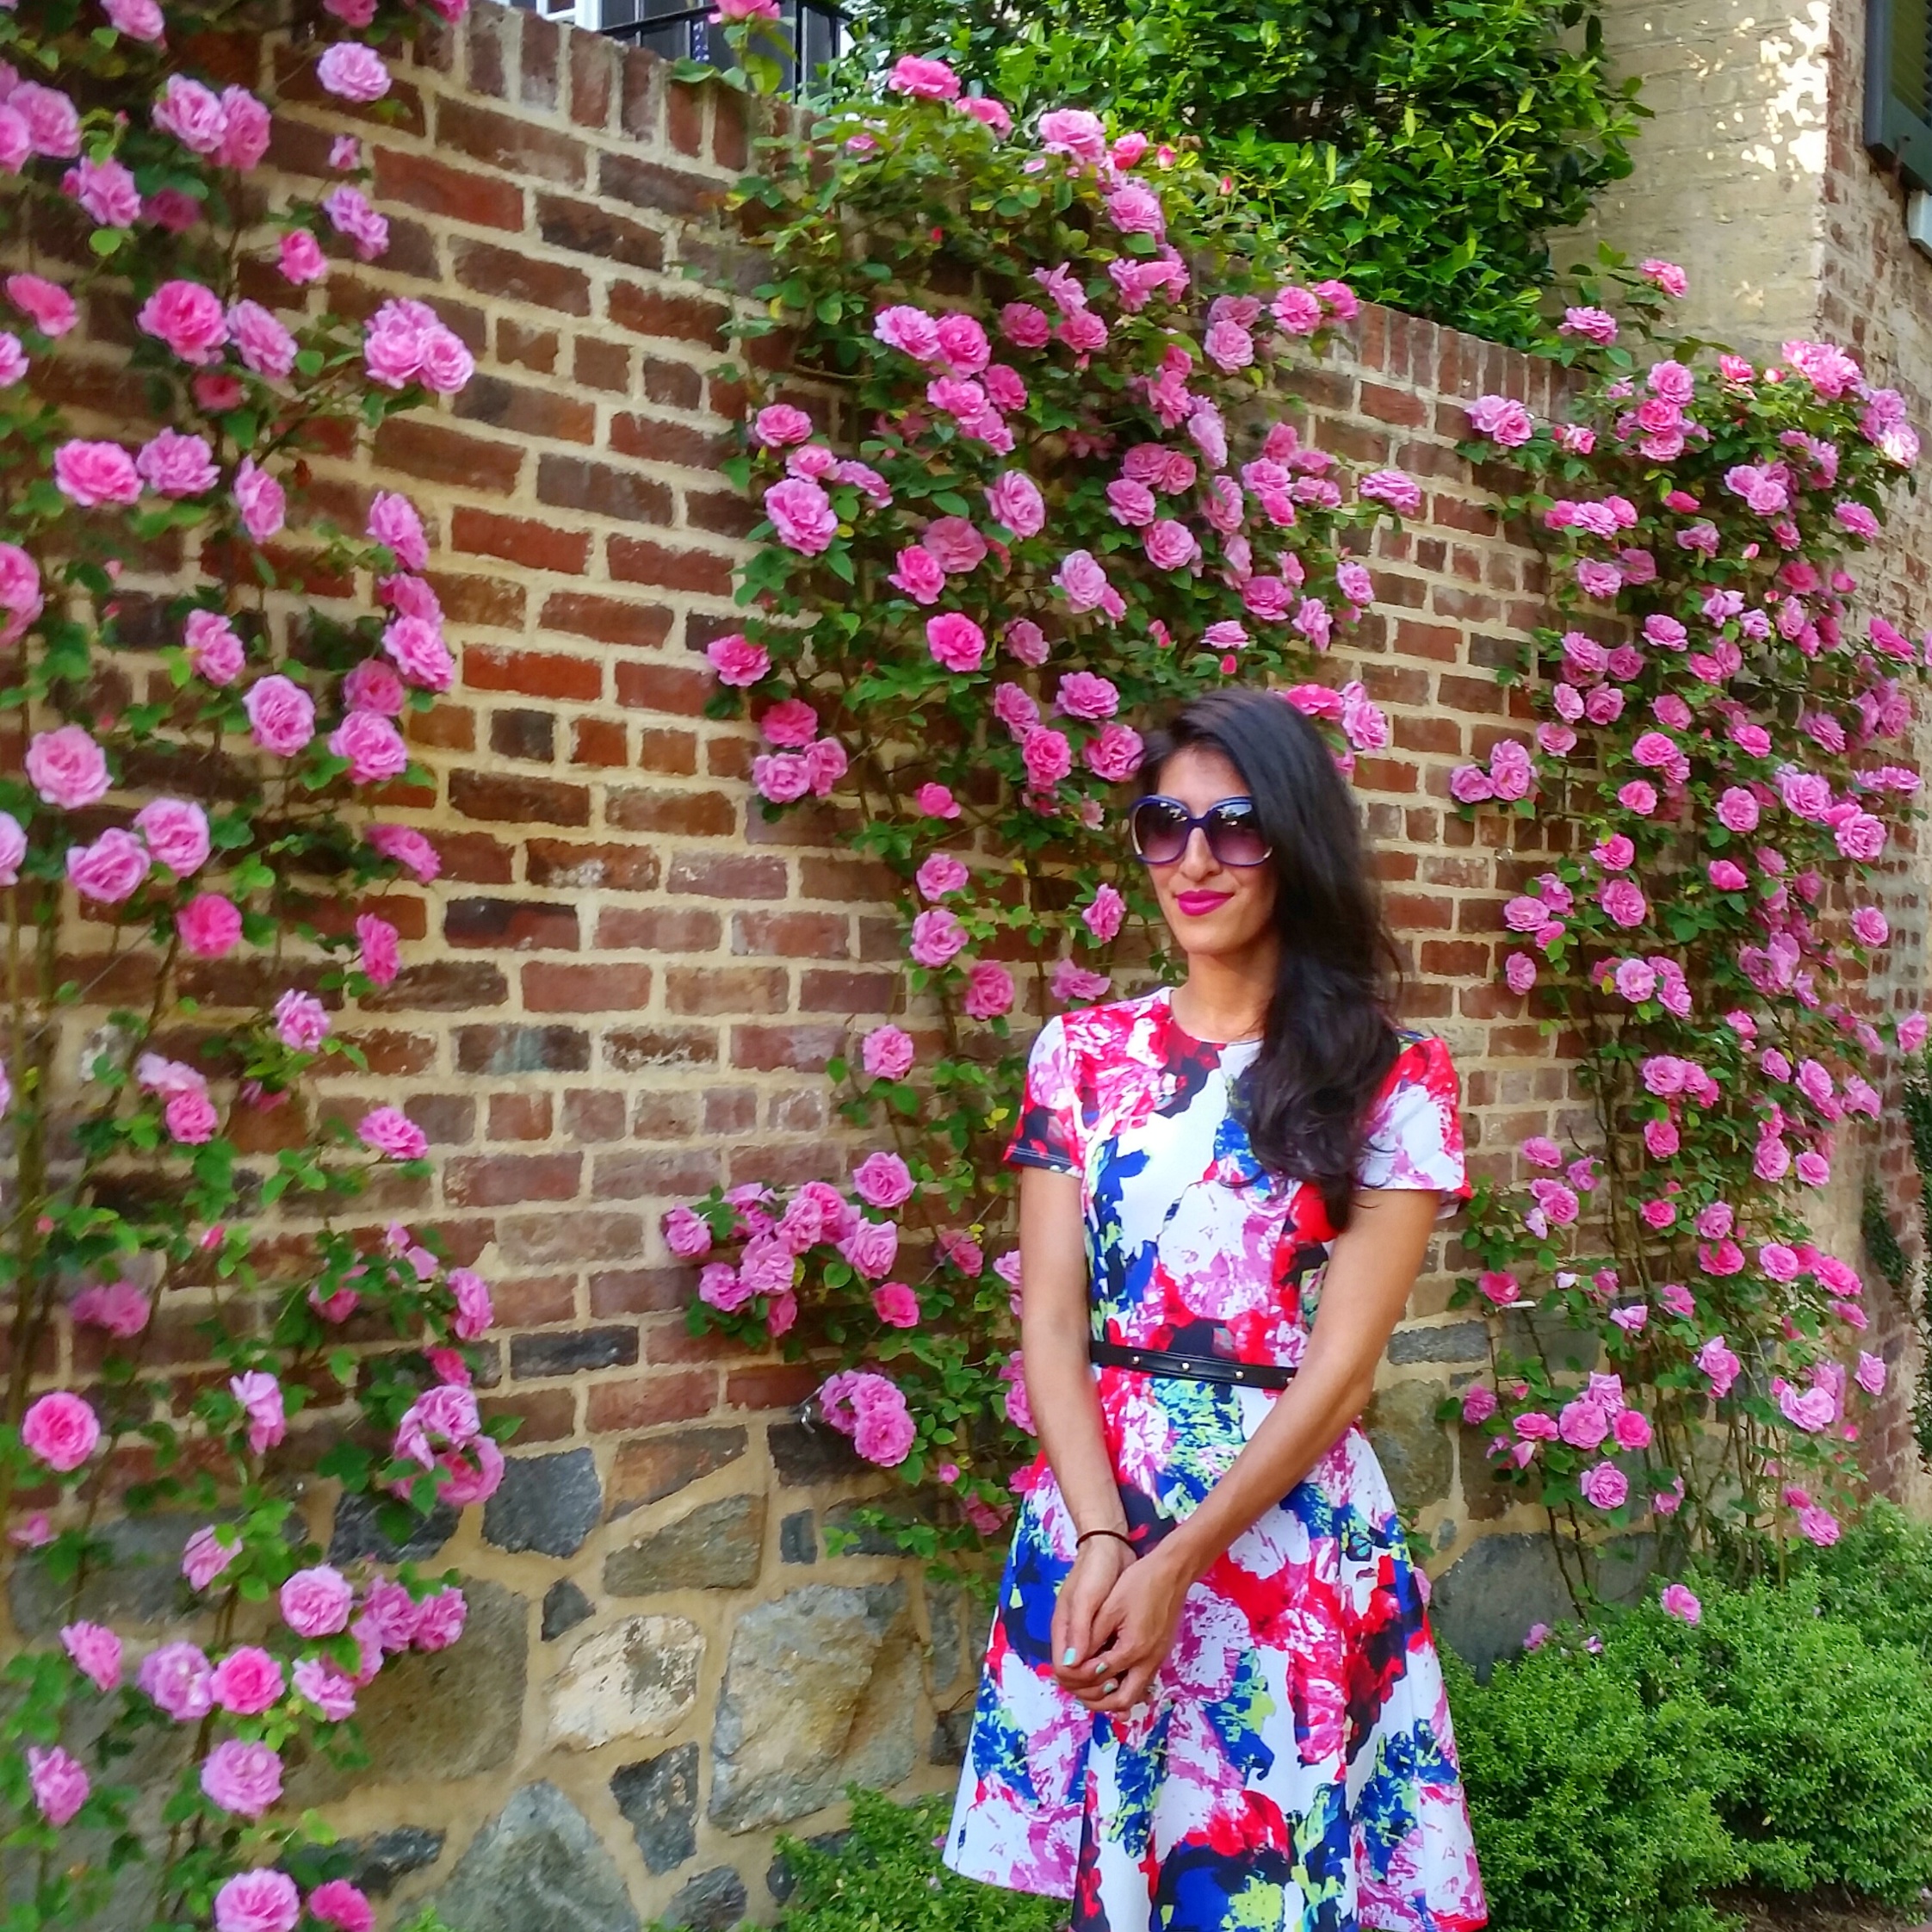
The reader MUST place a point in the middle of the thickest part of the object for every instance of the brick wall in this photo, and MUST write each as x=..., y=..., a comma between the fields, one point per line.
x=626, y=985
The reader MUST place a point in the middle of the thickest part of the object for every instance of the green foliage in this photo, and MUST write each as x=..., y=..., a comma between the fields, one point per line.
x=1593, y=1811
x=1358, y=131
x=885, y=1876
x=1783, y=1742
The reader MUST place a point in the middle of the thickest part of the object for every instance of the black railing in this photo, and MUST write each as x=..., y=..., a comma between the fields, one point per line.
x=815, y=28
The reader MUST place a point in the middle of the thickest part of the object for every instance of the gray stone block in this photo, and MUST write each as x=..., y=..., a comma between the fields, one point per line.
x=442, y=1715
x=807, y=1452
x=712, y=1902
x=565, y=1607
x=357, y=1537
x=719, y=1545
x=536, y=1867
x=637, y=1679
x=1464, y=1341
x=659, y=1798
x=381, y=1861
x=1412, y=1447
x=798, y=1538
x=1483, y=1605
x=139, y=1583
x=546, y=1504
x=798, y=1670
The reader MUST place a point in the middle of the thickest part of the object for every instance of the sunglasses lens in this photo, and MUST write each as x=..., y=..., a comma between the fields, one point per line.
x=1235, y=836
x=1159, y=831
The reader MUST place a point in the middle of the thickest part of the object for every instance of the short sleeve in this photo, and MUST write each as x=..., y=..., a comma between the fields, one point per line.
x=1048, y=1133
x=1415, y=1137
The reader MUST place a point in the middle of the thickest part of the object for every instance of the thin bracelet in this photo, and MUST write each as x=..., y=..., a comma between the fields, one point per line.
x=1120, y=1536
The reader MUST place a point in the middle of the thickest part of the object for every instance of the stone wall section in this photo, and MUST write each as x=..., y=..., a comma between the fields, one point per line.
x=626, y=984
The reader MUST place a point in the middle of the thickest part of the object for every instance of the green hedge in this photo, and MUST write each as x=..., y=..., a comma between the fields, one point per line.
x=1422, y=153
x=1783, y=1742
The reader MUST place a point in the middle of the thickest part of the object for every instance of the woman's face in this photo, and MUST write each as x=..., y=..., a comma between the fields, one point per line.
x=1212, y=910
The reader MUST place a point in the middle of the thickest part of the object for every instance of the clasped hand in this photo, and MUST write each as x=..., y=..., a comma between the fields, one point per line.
x=1114, y=1622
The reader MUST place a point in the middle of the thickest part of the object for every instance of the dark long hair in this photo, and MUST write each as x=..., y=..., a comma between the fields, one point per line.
x=1330, y=1040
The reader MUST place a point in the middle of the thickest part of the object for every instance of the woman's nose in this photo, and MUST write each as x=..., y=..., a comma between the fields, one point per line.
x=1197, y=859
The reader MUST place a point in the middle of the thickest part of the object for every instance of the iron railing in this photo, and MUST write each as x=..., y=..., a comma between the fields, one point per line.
x=816, y=28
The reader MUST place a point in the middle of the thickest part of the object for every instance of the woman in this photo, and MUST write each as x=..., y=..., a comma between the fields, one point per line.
x=1210, y=1701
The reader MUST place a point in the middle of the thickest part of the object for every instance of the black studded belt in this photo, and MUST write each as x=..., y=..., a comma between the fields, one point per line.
x=1190, y=1368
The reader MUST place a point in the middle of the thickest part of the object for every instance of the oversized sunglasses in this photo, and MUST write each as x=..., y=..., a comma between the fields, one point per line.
x=1160, y=829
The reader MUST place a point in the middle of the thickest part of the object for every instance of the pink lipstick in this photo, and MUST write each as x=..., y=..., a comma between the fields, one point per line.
x=1198, y=905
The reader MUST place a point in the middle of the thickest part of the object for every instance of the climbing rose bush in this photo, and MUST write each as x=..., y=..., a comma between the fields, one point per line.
x=1720, y=755
x=1004, y=526
x=203, y=676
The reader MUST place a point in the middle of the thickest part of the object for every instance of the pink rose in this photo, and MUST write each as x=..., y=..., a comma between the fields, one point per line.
x=59, y=1785
x=301, y=257
x=1678, y=1601
x=353, y=72
x=392, y=351
x=260, y=1396
x=316, y=1602
x=1024, y=325
x=936, y=802
x=871, y=1248
x=246, y=128
x=441, y=1618
x=281, y=715
x=371, y=685
x=46, y=304
x=321, y=1684
x=473, y=1311
x=1082, y=581
x=93, y=473
x=110, y=870
x=106, y=190
x=1604, y=1486
x=341, y=1905
x=1014, y=500
x=243, y=1777
x=261, y=501
x=924, y=80
x=1113, y=753
x=207, y=1557
x=990, y=990
x=247, y=1681
x=373, y=746
x=896, y=1305
x=209, y=924
x=175, y=1678
x=61, y=1431
x=67, y=768
x=392, y=1134
x=213, y=649
x=96, y=1653
x=801, y=515
x=378, y=940
x=1075, y=132
x=886, y=1053
x=187, y=317
x=956, y=641
x=52, y=125
x=139, y=19
x=881, y=1180
x=174, y=465
x=408, y=848
x=264, y=345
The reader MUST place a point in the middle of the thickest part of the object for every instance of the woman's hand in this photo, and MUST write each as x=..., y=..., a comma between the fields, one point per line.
x=1098, y=1566
x=1133, y=1632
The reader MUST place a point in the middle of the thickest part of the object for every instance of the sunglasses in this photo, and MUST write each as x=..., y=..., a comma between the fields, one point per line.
x=1161, y=827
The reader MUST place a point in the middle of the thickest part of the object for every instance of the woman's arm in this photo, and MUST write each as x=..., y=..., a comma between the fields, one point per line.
x=1370, y=1273
x=1054, y=1330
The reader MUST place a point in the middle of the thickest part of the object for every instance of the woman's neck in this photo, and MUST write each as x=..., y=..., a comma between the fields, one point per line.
x=1225, y=999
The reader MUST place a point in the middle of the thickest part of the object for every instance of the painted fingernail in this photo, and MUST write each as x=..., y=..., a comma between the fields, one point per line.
x=1109, y=1686
x=1071, y=1658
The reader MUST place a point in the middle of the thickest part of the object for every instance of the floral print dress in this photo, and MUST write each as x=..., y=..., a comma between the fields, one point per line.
x=1294, y=1769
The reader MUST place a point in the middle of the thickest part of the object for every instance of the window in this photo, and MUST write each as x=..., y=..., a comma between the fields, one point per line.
x=1899, y=87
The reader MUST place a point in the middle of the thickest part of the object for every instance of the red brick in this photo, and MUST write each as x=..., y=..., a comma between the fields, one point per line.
x=727, y=875
x=695, y=814
x=511, y=925
x=526, y=412
x=592, y=1116
x=793, y=935
x=658, y=315
x=673, y=751
x=504, y=1179
x=601, y=490
x=455, y=194
x=494, y=667
x=515, y=277
x=725, y=989
x=657, y=929
x=639, y=1291
x=771, y=1385
x=642, y=1401
x=546, y=1415
x=609, y=620
x=606, y=987
x=600, y=741
x=534, y=348
x=518, y=801
x=603, y=365
x=654, y=684
x=419, y=446
x=584, y=228
x=518, y=541
x=520, y=1117
x=803, y=1048
x=634, y=559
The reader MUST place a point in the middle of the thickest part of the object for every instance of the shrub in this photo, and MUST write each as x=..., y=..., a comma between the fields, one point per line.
x=1593, y=1809
x=1825, y=1738
x=1878, y=1576
x=1485, y=124
x=885, y=1876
